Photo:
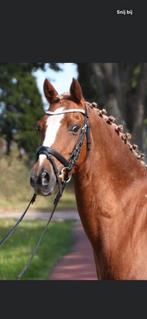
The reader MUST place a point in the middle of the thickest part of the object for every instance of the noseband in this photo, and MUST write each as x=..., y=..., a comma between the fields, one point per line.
x=51, y=153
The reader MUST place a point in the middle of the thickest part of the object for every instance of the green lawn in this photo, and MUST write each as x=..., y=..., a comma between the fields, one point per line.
x=15, y=253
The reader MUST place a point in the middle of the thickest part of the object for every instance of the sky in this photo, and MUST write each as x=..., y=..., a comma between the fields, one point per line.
x=61, y=79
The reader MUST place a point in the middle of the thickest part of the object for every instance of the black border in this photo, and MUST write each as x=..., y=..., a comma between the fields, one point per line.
x=73, y=299
x=76, y=32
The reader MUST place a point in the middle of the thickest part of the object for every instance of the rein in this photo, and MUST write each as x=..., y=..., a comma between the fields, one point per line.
x=62, y=177
x=12, y=229
x=35, y=249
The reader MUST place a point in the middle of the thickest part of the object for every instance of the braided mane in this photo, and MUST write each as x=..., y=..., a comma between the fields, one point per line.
x=125, y=137
x=110, y=120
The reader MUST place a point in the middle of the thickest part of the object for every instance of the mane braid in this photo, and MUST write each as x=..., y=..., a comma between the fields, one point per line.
x=125, y=137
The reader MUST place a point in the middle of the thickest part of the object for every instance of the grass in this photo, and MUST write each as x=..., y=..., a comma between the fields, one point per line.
x=15, y=253
x=15, y=189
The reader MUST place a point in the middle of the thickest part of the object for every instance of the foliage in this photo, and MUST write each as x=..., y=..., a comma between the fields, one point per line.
x=121, y=89
x=20, y=104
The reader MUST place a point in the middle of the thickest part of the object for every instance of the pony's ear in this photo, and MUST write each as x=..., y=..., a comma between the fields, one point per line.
x=76, y=91
x=49, y=91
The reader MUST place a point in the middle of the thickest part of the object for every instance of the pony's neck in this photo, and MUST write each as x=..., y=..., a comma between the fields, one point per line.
x=104, y=185
x=110, y=168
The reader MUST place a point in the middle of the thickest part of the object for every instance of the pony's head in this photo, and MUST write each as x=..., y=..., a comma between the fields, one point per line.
x=60, y=129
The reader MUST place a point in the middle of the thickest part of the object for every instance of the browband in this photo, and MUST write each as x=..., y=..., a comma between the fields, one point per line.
x=66, y=111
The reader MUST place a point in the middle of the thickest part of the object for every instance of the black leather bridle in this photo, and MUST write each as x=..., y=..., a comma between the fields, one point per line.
x=63, y=175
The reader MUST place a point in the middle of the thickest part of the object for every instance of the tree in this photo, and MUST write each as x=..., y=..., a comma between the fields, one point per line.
x=20, y=104
x=121, y=88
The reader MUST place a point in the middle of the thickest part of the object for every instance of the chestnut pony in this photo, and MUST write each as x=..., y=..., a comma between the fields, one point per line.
x=110, y=182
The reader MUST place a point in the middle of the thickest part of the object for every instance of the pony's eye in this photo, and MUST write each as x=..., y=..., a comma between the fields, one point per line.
x=75, y=128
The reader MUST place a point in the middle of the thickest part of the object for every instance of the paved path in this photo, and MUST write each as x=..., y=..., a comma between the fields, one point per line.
x=79, y=263
x=31, y=215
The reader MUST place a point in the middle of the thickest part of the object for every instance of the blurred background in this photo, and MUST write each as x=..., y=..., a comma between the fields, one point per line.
x=119, y=87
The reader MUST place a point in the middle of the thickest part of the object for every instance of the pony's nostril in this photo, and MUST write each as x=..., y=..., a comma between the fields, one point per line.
x=45, y=177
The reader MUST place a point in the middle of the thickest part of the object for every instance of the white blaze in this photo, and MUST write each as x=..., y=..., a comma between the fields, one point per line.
x=53, y=124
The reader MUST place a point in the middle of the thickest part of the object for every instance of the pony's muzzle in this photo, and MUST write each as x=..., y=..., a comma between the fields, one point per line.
x=44, y=183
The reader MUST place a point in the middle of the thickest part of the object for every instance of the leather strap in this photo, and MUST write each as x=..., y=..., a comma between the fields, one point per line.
x=66, y=111
x=50, y=151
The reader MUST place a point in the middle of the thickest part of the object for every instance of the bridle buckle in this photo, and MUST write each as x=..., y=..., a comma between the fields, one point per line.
x=64, y=176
